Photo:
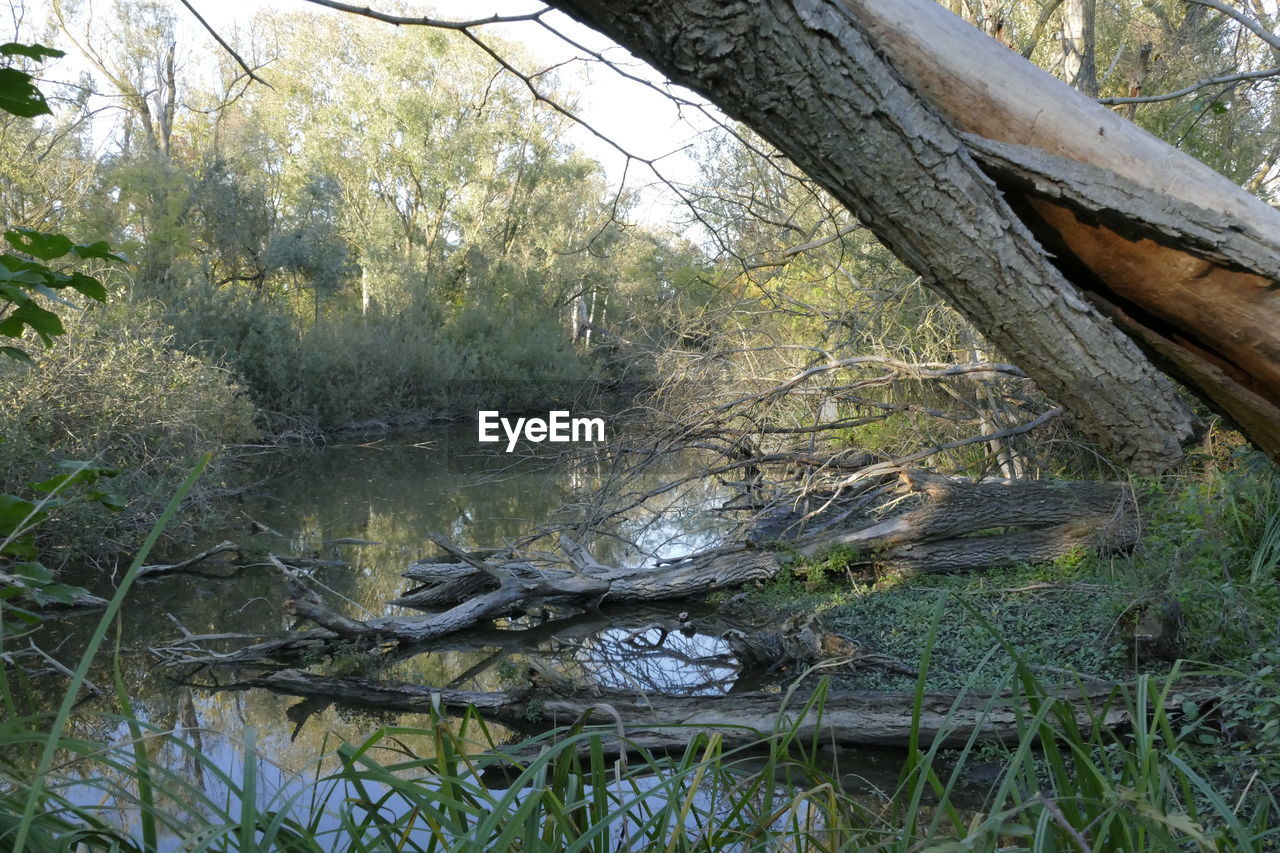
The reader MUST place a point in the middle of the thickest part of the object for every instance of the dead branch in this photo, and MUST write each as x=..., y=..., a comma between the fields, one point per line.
x=189, y=563
x=659, y=721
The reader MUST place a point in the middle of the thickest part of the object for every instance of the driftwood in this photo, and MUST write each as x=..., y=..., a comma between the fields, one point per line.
x=936, y=536
x=1019, y=521
x=659, y=721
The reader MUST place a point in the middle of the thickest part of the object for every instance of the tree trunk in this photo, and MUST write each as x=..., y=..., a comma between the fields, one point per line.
x=866, y=96
x=1079, y=65
x=1048, y=520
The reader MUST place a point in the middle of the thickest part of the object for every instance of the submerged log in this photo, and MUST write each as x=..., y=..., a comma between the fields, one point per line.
x=656, y=721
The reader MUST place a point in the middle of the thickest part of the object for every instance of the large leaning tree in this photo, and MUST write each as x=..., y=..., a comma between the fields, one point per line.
x=1083, y=247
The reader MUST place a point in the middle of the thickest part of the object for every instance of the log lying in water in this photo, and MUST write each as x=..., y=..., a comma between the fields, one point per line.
x=1050, y=519
x=656, y=721
x=514, y=583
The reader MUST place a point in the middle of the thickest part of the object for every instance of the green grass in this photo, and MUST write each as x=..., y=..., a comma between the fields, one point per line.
x=1066, y=787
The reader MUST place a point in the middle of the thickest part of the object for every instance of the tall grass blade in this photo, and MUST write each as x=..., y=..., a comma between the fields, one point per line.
x=91, y=651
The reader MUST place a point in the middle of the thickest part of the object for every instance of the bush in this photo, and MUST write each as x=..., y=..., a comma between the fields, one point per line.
x=114, y=391
x=349, y=367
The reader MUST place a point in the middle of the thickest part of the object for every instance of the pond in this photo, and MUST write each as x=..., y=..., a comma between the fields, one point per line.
x=364, y=511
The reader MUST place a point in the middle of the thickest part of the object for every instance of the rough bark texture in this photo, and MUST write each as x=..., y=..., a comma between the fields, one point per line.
x=1140, y=248
x=934, y=537
x=658, y=721
x=805, y=76
x=1179, y=257
x=1104, y=513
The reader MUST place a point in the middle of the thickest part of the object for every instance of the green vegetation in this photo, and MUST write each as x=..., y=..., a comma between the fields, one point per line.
x=1208, y=545
x=1084, y=788
x=410, y=234
x=117, y=390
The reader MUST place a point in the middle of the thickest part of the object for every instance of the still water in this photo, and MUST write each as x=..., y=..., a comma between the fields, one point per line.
x=394, y=492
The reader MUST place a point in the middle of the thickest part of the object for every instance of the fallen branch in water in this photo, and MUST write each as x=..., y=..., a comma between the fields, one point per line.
x=1022, y=521
x=657, y=721
x=190, y=562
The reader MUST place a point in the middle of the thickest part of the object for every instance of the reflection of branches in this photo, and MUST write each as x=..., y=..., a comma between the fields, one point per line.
x=676, y=664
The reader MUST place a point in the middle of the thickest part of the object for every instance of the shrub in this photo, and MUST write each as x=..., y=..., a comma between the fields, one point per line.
x=114, y=391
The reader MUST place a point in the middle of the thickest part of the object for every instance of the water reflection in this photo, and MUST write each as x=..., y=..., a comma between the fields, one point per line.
x=390, y=495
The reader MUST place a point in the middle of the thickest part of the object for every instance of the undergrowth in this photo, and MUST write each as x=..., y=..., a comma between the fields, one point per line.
x=1156, y=767
x=1069, y=782
x=115, y=393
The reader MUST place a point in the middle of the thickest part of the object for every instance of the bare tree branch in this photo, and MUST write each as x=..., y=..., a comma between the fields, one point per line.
x=1244, y=19
x=1237, y=77
x=228, y=48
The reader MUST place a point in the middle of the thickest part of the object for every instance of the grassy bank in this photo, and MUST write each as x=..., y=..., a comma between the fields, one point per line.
x=1059, y=787
x=1207, y=565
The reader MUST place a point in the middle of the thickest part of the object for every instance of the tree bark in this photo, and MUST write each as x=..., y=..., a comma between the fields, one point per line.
x=866, y=96
x=1079, y=65
x=1049, y=520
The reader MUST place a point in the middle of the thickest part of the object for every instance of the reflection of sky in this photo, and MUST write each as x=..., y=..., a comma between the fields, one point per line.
x=630, y=803
x=393, y=494
x=696, y=665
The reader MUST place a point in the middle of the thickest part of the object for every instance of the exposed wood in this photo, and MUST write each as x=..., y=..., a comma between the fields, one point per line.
x=659, y=721
x=810, y=81
x=853, y=90
x=982, y=88
x=1142, y=217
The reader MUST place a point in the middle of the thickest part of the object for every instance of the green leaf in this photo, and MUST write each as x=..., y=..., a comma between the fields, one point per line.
x=38, y=244
x=89, y=286
x=45, y=323
x=24, y=547
x=10, y=611
x=18, y=95
x=37, y=52
x=57, y=593
x=100, y=250
x=53, y=297
x=110, y=500
x=35, y=572
x=25, y=276
x=15, y=510
x=14, y=293
x=63, y=481
x=16, y=353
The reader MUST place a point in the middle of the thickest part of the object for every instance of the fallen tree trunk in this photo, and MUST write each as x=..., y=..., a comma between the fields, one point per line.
x=864, y=96
x=958, y=525
x=935, y=536
x=1073, y=514
x=807, y=76
x=656, y=721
